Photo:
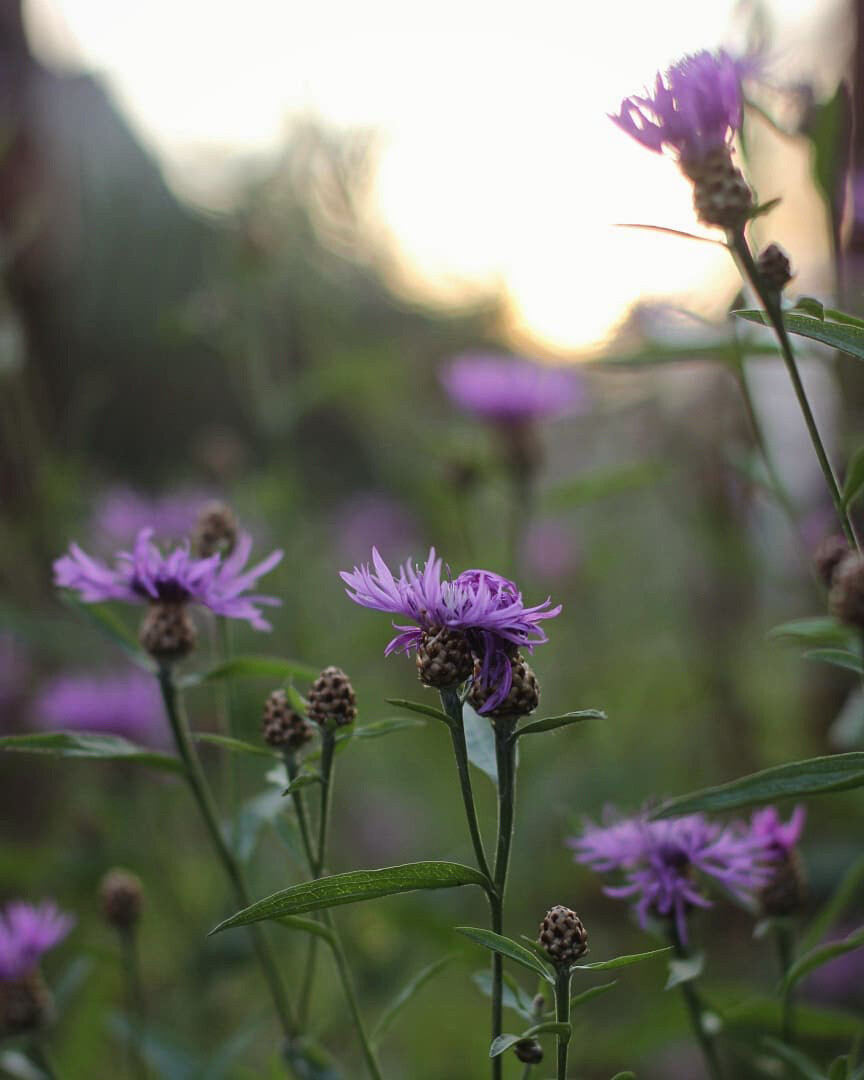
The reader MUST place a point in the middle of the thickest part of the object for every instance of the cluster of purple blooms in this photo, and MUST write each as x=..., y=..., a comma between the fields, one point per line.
x=145, y=574
x=26, y=932
x=510, y=390
x=660, y=860
x=488, y=608
x=695, y=108
x=125, y=704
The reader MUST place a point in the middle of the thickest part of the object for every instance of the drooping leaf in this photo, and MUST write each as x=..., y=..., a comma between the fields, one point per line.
x=302, y=780
x=244, y=667
x=841, y=658
x=74, y=744
x=234, y=746
x=513, y=996
x=621, y=961
x=844, y=336
x=419, y=707
x=506, y=947
x=818, y=630
x=353, y=887
x=480, y=740
x=548, y=1027
x=854, y=481
x=809, y=305
x=551, y=723
x=684, y=969
x=590, y=994
x=833, y=909
x=822, y=954
x=804, y=1066
x=815, y=776
x=407, y=992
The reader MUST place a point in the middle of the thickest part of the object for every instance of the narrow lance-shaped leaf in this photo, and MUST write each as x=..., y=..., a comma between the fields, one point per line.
x=841, y=658
x=74, y=744
x=591, y=993
x=239, y=667
x=408, y=992
x=548, y=1027
x=845, y=336
x=821, y=955
x=817, y=630
x=815, y=776
x=480, y=743
x=506, y=947
x=419, y=707
x=621, y=961
x=551, y=723
x=832, y=910
x=513, y=996
x=353, y=887
x=854, y=481
x=804, y=1066
x=235, y=746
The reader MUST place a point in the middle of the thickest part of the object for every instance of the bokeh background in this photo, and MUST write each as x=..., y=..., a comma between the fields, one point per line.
x=237, y=245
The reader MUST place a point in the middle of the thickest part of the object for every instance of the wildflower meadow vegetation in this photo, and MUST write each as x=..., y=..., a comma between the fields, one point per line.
x=454, y=735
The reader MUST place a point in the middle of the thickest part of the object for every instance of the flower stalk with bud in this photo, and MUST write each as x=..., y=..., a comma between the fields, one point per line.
x=565, y=940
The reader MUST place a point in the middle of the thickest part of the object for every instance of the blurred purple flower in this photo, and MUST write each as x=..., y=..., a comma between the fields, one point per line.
x=657, y=859
x=127, y=704
x=509, y=390
x=14, y=667
x=121, y=513
x=486, y=606
x=369, y=519
x=551, y=552
x=26, y=932
x=694, y=109
x=767, y=826
x=146, y=574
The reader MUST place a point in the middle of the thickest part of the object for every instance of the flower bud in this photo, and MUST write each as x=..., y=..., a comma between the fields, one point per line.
x=122, y=896
x=774, y=268
x=786, y=892
x=331, y=699
x=846, y=598
x=563, y=936
x=524, y=695
x=215, y=531
x=444, y=658
x=828, y=556
x=528, y=1051
x=721, y=195
x=283, y=727
x=26, y=1004
x=167, y=632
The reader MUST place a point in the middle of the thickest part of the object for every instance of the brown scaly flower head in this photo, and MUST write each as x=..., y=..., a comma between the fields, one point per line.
x=122, y=898
x=785, y=893
x=331, y=699
x=846, y=598
x=215, y=531
x=830, y=552
x=26, y=933
x=444, y=658
x=522, y=698
x=283, y=727
x=563, y=936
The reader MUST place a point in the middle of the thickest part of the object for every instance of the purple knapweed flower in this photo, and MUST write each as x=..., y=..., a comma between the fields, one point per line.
x=658, y=860
x=121, y=513
x=147, y=575
x=126, y=704
x=779, y=839
x=26, y=932
x=695, y=108
x=485, y=606
x=509, y=390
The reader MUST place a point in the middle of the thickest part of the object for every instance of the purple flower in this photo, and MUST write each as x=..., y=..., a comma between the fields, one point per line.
x=658, y=860
x=127, y=704
x=767, y=826
x=121, y=513
x=148, y=575
x=695, y=108
x=510, y=390
x=486, y=606
x=26, y=932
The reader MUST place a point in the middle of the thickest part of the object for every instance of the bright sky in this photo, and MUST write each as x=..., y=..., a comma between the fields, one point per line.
x=498, y=163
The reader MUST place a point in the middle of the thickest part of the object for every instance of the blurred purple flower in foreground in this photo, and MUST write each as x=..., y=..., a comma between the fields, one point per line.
x=767, y=826
x=485, y=606
x=551, y=552
x=509, y=390
x=370, y=519
x=147, y=575
x=125, y=704
x=121, y=513
x=694, y=109
x=657, y=859
x=26, y=932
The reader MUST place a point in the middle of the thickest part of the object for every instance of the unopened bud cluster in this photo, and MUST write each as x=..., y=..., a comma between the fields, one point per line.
x=563, y=936
x=216, y=531
x=283, y=727
x=331, y=699
x=122, y=897
x=775, y=268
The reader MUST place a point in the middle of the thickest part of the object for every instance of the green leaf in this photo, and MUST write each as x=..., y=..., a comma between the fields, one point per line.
x=839, y=1068
x=353, y=887
x=302, y=780
x=815, y=776
x=550, y=723
x=418, y=707
x=684, y=969
x=624, y=1076
x=381, y=727
x=480, y=741
x=109, y=623
x=832, y=910
x=548, y=1027
x=513, y=996
x=621, y=961
x=251, y=817
x=506, y=947
x=670, y=232
x=844, y=336
x=74, y=744
x=841, y=658
x=406, y=993
x=236, y=746
x=819, y=630
x=308, y=926
x=854, y=481
x=240, y=667
x=309, y=1061
x=828, y=127
x=799, y=1061
x=822, y=954
x=590, y=994
x=809, y=305
x=763, y=208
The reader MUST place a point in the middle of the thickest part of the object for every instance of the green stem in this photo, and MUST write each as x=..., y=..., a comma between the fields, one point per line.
x=505, y=758
x=695, y=1011
x=229, y=775
x=771, y=302
x=135, y=1007
x=201, y=793
x=785, y=956
x=453, y=707
x=292, y=768
x=562, y=1015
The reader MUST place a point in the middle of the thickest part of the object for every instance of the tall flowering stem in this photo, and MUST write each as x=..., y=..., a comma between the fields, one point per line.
x=452, y=704
x=505, y=758
x=770, y=299
x=562, y=1015
x=201, y=792
x=696, y=1009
